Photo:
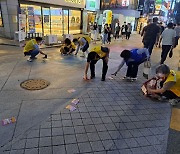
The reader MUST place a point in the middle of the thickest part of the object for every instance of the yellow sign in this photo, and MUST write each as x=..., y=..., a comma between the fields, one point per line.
x=74, y=1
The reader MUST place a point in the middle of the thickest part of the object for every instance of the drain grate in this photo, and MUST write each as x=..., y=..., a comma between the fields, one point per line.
x=35, y=84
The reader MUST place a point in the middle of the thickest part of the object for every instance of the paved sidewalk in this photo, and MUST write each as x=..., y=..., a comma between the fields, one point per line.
x=111, y=117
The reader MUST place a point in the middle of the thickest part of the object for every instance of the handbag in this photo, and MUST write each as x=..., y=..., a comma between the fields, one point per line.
x=147, y=69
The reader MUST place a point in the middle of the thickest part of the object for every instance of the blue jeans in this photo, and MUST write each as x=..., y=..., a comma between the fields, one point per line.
x=105, y=37
x=32, y=53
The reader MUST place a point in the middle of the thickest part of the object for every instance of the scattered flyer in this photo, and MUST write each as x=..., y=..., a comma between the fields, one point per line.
x=75, y=101
x=111, y=78
x=71, y=90
x=8, y=121
x=70, y=107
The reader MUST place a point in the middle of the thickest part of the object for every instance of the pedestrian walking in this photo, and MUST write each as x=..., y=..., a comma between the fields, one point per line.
x=128, y=33
x=97, y=53
x=117, y=30
x=177, y=29
x=105, y=34
x=32, y=49
x=168, y=41
x=170, y=84
x=124, y=30
x=109, y=34
x=133, y=58
x=95, y=32
x=151, y=33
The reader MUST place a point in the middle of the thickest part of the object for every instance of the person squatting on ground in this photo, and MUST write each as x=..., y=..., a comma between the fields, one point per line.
x=32, y=49
x=170, y=84
x=133, y=58
x=98, y=52
x=168, y=41
x=151, y=33
x=68, y=48
x=82, y=44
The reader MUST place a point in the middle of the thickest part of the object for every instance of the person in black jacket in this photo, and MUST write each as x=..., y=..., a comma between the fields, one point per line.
x=124, y=30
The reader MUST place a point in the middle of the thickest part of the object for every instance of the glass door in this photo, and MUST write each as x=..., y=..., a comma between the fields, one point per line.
x=65, y=21
x=46, y=21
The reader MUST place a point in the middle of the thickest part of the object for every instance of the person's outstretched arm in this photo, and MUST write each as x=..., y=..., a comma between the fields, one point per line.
x=119, y=67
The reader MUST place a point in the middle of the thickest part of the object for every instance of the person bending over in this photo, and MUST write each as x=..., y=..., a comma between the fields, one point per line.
x=68, y=48
x=97, y=53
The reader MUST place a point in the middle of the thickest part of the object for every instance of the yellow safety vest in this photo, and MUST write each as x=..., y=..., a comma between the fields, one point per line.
x=88, y=39
x=30, y=45
x=175, y=77
x=98, y=50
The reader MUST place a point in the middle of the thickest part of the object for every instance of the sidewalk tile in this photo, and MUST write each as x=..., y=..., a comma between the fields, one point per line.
x=125, y=151
x=45, y=141
x=137, y=150
x=79, y=129
x=153, y=140
x=108, y=144
x=20, y=144
x=131, y=142
x=85, y=115
x=82, y=137
x=31, y=151
x=87, y=121
x=72, y=148
x=45, y=150
x=94, y=114
x=56, y=124
x=33, y=133
x=97, y=146
x=70, y=139
x=84, y=147
x=68, y=130
x=75, y=116
x=17, y=152
x=59, y=149
x=57, y=140
x=65, y=116
x=126, y=134
x=97, y=120
x=110, y=127
x=57, y=131
x=45, y=132
x=32, y=143
x=100, y=127
x=56, y=117
x=121, y=144
x=93, y=136
x=90, y=128
x=115, y=135
x=77, y=122
x=104, y=135
x=113, y=152
x=67, y=123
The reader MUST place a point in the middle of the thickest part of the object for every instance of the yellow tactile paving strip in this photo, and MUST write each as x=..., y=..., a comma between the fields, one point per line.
x=175, y=119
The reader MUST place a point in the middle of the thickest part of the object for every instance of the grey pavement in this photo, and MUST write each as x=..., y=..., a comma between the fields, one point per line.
x=111, y=117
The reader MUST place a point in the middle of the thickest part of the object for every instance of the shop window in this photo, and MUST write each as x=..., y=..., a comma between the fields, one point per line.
x=34, y=18
x=56, y=21
x=1, y=20
x=46, y=21
x=74, y=21
x=65, y=21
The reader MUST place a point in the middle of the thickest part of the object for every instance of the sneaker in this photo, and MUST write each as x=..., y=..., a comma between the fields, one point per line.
x=126, y=78
x=29, y=59
x=103, y=79
x=133, y=79
x=174, y=102
x=45, y=57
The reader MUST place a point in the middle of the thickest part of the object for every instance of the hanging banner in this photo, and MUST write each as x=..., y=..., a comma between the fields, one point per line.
x=31, y=21
x=22, y=22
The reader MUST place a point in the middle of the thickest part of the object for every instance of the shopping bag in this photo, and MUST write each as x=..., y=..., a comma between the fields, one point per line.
x=147, y=69
x=171, y=52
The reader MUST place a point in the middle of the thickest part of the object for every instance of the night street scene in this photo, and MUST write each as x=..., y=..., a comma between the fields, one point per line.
x=89, y=77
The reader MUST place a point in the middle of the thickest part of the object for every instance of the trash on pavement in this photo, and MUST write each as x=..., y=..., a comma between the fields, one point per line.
x=70, y=107
x=71, y=90
x=111, y=78
x=75, y=101
x=8, y=121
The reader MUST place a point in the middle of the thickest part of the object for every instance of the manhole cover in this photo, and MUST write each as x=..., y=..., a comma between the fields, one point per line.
x=34, y=84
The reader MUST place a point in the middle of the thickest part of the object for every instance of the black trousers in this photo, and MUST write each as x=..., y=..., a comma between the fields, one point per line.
x=165, y=51
x=149, y=44
x=104, y=69
x=117, y=34
x=128, y=34
x=132, y=69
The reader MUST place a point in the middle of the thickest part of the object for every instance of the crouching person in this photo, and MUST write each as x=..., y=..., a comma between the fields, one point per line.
x=95, y=54
x=133, y=58
x=170, y=84
x=32, y=49
x=68, y=48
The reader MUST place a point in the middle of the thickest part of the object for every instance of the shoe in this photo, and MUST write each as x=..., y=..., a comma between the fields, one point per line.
x=30, y=60
x=126, y=78
x=174, y=102
x=45, y=57
x=92, y=77
x=133, y=79
x=103, y=79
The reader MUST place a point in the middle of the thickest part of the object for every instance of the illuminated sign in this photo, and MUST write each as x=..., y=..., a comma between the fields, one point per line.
x=74, y=1
x=125, y=2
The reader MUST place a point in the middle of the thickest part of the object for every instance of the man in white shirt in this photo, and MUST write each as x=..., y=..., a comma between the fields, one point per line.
x=168, y=41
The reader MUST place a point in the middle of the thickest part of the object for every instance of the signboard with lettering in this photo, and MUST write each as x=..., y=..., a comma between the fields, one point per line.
x=105, y=4
x=92, y=5
x=71, y=3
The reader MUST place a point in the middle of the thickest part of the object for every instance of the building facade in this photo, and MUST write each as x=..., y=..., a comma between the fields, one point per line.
x=56, y=17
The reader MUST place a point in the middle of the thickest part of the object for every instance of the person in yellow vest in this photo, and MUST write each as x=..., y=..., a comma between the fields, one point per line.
x=68, y=48
x=82, y=44
x=98, y=52
x=170, y=84
x=32, y=49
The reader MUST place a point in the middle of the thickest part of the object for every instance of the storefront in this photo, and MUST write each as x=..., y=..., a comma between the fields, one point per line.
x=52, y=18
x=90, y=14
